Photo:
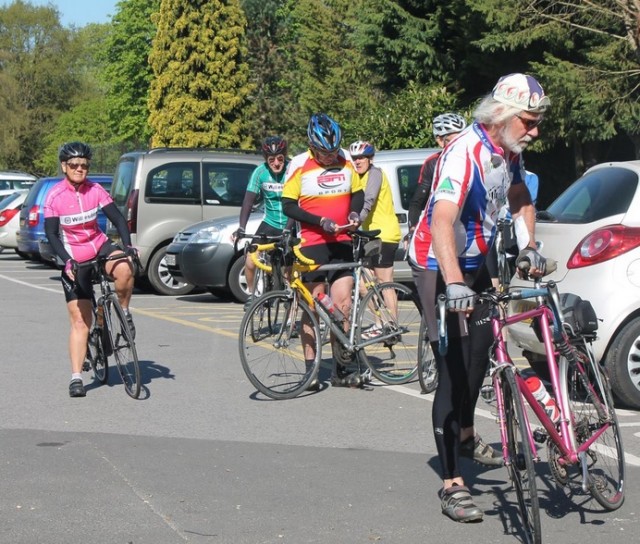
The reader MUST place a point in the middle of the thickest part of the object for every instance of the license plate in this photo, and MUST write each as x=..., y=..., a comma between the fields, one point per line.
x=170, y=259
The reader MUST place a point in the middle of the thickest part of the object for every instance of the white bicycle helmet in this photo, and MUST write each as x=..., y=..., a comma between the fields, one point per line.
x=362, y=149
x=448, y=123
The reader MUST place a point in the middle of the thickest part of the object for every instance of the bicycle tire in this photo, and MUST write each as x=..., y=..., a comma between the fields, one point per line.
x=394, y=360
x=97, y=356
x=123, y=345
x=588, y=391
x=520, y=464
x=428, y=368
x=270, y=345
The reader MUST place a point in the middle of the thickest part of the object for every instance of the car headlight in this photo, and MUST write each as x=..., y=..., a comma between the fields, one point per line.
x=209, y=235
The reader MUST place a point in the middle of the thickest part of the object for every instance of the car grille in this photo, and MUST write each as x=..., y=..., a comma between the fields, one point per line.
x=184, y=236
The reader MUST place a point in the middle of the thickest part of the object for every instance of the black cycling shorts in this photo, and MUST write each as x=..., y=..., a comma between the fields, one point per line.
x=387, y=255
x=336, y=252
x=82, y=288
x=266, y=230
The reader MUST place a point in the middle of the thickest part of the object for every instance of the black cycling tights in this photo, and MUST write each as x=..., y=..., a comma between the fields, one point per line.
x=461, y=373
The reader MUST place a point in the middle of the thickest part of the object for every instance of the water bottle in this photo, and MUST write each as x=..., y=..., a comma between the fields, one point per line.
x=541, y=394
x=326, y=302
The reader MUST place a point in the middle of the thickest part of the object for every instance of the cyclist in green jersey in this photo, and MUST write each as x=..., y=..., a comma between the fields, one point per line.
x=268, y=179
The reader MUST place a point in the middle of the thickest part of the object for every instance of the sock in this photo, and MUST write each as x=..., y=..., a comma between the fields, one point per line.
x=76, y=376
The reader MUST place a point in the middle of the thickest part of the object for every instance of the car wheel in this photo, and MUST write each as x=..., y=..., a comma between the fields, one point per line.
x=623, y=363
x=238, y=281
x=22, y=254
x=160, y=278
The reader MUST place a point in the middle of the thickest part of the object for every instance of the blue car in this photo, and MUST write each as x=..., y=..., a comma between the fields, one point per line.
x=31, y=237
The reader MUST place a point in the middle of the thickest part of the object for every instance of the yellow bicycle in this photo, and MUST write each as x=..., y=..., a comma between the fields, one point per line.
x=275, y=325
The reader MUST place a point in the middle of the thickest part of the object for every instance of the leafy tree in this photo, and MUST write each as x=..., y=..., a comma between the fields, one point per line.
x=38, y=75
x=404, y=120
x=127, y=71
x=199, y=93
x=587, y=55
x=267, y=67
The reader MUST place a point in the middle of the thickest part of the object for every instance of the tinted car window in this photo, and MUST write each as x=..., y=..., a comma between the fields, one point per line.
x=599, y=194
x=408, y=181
x=7, y=201
x=122, y=182
x=226, y=183
x=174, y=183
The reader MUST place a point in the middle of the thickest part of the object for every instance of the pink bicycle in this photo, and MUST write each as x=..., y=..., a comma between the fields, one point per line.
x=585, y=444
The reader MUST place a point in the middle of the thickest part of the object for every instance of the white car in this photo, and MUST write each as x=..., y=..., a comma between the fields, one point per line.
x=10, y=219
x=592, y=230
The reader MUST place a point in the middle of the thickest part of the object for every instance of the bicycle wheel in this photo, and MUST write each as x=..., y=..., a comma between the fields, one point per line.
x=271, y=345
x=428, y=369
x=123, y=346
x=97, y=356
x=520, y=463
x=390, y=335
x=591, y=406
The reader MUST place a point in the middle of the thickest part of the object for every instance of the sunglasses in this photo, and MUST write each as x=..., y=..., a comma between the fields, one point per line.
x=275, y=159
x=78, y=165
x=530, y=124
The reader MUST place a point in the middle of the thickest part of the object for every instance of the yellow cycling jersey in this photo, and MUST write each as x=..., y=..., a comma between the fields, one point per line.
x=382, y=213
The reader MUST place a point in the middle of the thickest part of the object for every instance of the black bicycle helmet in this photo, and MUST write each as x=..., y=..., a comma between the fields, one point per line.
x=274, y=145
x=324, y=133
x=73, y=150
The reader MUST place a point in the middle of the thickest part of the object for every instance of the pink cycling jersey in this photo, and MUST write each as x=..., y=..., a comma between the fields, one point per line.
x=78, y=213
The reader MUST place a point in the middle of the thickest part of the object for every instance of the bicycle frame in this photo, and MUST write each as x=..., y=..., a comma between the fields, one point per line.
x=550, y=324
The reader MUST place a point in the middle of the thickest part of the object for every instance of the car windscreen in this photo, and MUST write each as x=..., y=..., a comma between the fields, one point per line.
x=598, y=194
x=122, y=181
x=10, y=199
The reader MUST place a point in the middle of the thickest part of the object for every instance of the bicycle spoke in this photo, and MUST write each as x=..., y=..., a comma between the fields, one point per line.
x=270, y=345
x=123, y=346
x=428, y=369
x=520, y=463
x=389, y=323
x=593, y=415
x=96, y=355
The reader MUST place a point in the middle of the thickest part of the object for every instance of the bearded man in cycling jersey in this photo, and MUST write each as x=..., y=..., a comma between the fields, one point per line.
x=322, y=192
x=268, y=179
x=475, y=176
x=71, y=224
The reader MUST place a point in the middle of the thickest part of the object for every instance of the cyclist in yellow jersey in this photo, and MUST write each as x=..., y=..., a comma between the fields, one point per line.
x=322, y=192
x=378, y=213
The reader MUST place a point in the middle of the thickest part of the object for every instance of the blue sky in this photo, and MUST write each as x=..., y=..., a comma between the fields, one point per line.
x=78, y=12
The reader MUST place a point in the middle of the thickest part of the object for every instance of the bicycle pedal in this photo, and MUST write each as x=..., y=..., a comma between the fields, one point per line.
x=86, y=366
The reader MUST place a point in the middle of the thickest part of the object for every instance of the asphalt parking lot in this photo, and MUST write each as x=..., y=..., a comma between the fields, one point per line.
x=202, y=458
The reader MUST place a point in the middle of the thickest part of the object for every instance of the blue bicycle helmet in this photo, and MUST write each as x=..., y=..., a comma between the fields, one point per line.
x=324, y=133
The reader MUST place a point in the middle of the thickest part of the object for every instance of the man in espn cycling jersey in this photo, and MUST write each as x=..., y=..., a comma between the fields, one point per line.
x=71, y=224
x=475, y=176
x=322, y=192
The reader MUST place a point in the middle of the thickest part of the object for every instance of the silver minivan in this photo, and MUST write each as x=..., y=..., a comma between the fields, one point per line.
x=164, y=190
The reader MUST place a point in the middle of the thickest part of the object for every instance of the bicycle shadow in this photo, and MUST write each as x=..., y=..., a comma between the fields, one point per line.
x=555, y=500
x=149, y=371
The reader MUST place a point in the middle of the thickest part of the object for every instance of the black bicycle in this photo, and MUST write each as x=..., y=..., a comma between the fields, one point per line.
x=110, y=335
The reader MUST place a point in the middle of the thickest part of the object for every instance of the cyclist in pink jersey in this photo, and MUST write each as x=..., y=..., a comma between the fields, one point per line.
x=475, y=176
x=71, y=212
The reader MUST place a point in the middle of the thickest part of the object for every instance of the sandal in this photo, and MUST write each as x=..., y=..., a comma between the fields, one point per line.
x=458, y=504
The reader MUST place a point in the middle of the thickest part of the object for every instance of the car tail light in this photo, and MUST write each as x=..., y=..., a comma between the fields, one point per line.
x=6, y=215
x=34, y=215
x=132, y=211
x=604, y=244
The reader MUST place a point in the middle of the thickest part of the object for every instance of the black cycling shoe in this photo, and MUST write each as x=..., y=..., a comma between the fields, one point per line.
x=76, y=388
x=351, y=380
